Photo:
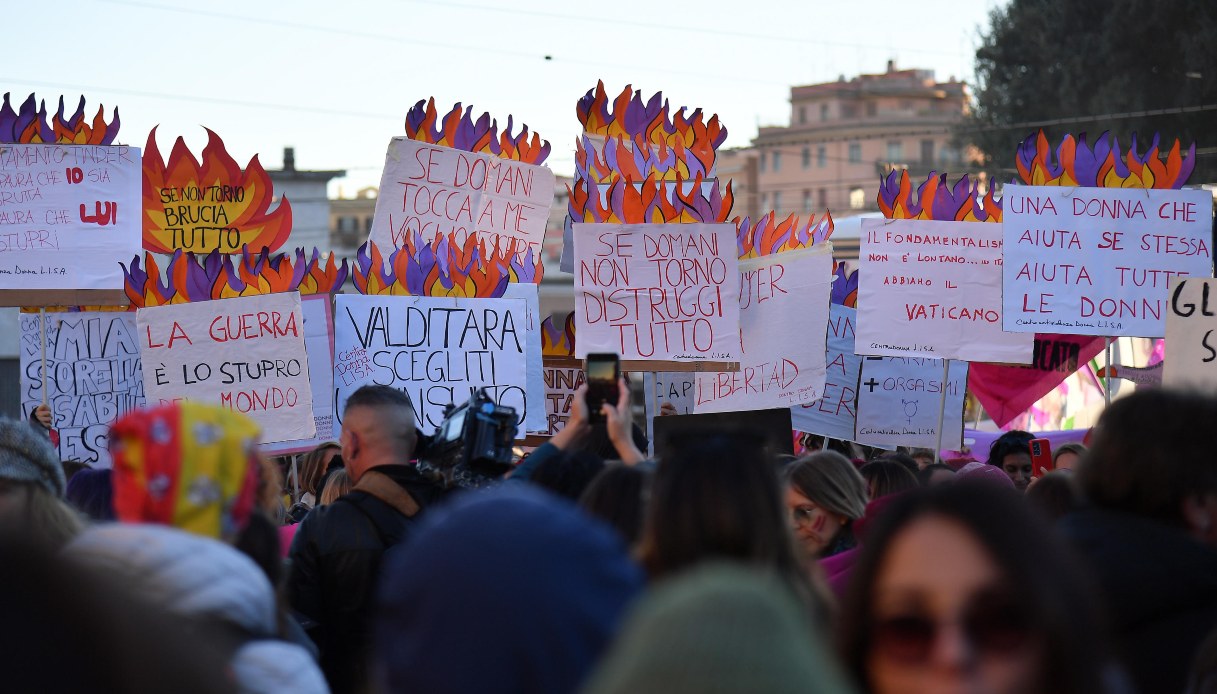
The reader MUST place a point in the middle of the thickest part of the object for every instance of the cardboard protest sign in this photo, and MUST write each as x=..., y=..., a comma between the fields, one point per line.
x=783, y=304
x=658, y=292
x=561, y=382
x=437, y=350
x=431, y=189
x=245, y=354
x=69, y=214
x=899, y=401
x=1008, y=391
x=1098, y=261
x=934, y=289
x=1191, y=334
x=676, y=388
x=318, y=316
x=93, y=377
x=535, y=394
x=833, y=414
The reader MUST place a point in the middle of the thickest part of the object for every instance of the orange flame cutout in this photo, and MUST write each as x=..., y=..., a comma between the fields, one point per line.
x=652, y=201
x=555, y=341
x=213, y=205
x=441, y=268
x=459, y=130
x=29, y=124
x=1102, y=165
x=936, y=200
x=766, y=237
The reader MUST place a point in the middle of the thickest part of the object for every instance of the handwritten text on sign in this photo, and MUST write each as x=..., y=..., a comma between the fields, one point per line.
x=318, y=317
x=1191, y=334
x=561, y=382
x=1098, y=261
x=899, y=400
x=69, y=214
x=675, y=388
x=783, y=306
x=934, y=289
x=428, y=189
x=436, y=350
x=93, y=377
x=657, y=291
x=833, y=414
x=245, y=354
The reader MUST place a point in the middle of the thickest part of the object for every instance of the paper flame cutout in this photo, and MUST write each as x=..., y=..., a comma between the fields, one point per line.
x=29, y=124
x=767, y=237
x=844, y=290
x=936, y=200
x=650, y=122
x=203, y=192
x=555, y=341
x=190, y=277
x=1102, y=165
x=459, y=130
x=615, y=158
x=442, y=268
x=652, y=201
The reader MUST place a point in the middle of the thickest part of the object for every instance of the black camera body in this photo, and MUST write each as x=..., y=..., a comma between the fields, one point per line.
x=478, y=435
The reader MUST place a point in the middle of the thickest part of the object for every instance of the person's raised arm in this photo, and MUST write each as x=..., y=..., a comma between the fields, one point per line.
x=619, y=421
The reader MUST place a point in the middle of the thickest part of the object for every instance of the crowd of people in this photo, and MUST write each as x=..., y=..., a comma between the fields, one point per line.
x=715, y=565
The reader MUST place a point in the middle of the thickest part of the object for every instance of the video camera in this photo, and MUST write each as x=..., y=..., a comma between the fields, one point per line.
x=477, y=435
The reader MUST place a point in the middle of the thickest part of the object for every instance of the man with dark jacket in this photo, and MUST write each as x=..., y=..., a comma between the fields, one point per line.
x=1151, y=535
x=337, y=551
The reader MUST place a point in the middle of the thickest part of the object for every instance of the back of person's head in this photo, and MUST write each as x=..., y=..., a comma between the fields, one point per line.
x=904, y=459
x=720, y=628
x=884, y=476
x=92, y=493
x=1073, y=450
x=597, y=441
x=829, y=480
x=618, y=496
x=1001, y=575
x=1055, y=495
x=27, y=456
x=510, y=589
x=1011, y=442
x=31, y=513
x=715, y=496
x=935, y=473
x=923, y=456
x=72, y=466
x=313, y=464
x=337, y=485
x=569, y=473
x=378, y=427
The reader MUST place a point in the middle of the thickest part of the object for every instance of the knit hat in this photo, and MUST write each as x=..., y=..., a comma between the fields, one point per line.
x=986, y=474
x=26, y=456
x=721, y=628
x=189, y=465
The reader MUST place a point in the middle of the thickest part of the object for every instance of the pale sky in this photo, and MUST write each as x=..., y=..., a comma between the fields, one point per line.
x=335, y=79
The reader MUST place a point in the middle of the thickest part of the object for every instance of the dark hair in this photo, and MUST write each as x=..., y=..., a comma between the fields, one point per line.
x=925, y=474
x=716, y=496
x=1150, y=451
x=92, y=493
x=1009, y=443
x=1054, y=495
x=72, y=466
x=378, y=396
x=1075, y=448
x=885, y=477
x=830, y=480
x=1035, y=563
x=901, y=457
x=310, y=468
x=569, y=473
x=617, y=495
x=597, y=441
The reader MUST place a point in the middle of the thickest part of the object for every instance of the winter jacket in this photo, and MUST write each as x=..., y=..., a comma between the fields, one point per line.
x=1160, y=589
x=206, y=580
x=335, y=566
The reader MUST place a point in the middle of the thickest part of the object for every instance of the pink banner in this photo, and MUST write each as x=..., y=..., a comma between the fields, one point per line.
x=1008, y=391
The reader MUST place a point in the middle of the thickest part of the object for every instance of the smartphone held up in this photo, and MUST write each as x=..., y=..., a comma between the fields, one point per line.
x=603, y=372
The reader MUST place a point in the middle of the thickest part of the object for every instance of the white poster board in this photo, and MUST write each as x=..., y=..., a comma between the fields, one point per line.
x=245, y=354
x=934, y=289
x=537, y=420
x=783, y=306
x=561, y=382
x=899, y=400
x=676, y=388
x=429, y=189
x=1098, y=261
x=93, y=377
x=657, y=292
x=833, y=414
x=437, y=350
x=1191, y=334
x=318, y=315
x=69, y=214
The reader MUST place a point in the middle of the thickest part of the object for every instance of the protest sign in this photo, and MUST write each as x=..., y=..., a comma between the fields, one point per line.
x=934, y=289
x=833, y=414
x=318, y=316
x=69, y=215
x=658, y=293
x=675, y=388
x=783, y=304
x=899, y=400
x=561, y=382
x=430, y=189
x=1191, y=334
x=438, y=350
x=1097, y=261
x=1007, y=391
x=537, y=420
x=93, y=377
x=245, y=354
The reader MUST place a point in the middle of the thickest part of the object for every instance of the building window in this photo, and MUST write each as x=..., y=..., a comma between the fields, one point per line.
x=806, y=157
x=855, y=153
x=948, y=156
x=777, y=162
x=895, y=152
x=761, y=164
x=802, y=115
x=348, y=224
x=764, y=200
x=777, y=201
x=823, y=112
x=849, y=111
x=871, y=109
x=807, y=201
x=821, y=156
x=823, y=195
x=927, y=152
x=857, y=198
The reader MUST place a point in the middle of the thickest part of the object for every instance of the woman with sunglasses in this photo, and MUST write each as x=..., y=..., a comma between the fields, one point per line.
x=825, y=494
x=961, y=588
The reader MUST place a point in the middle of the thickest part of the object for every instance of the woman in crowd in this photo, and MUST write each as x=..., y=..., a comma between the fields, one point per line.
x=337, y=485
x=885, y=477
x=825, y=494
x=961, y=588
x=1067, y=456
x=31, y=489
x=313, y=466
x=1011, y=453
x=618, y=496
